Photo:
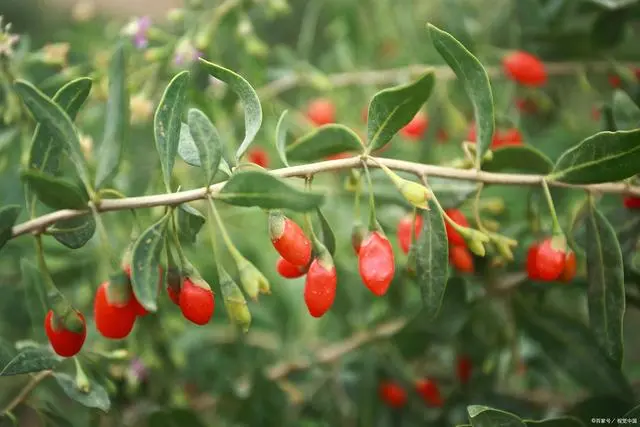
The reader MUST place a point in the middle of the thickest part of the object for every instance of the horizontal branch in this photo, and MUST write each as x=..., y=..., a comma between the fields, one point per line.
x=40, y=224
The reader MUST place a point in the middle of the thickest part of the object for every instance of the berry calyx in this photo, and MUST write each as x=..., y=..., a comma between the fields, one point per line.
x=174, y=284
x=197, y=302
x=320, y=286
x=461, y=259
x=289, y=239
x=415, y=129
x=321, y=112
x=463, y=369
x=569, y=271
x=64, y=342
x=258, y=156
x=550, y=261
x=392, y=394
x=288, y=270
x=453, y=236
x=430, y=393
x=525, y=68
x=406, y=228
x=113, y=321
x=358, y=234
x=631, y=202
x=376, y=263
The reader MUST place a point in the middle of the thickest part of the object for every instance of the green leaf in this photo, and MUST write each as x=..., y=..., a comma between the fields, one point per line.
x=190, y=221
x=603, y=157
x=145, y=264
x=572, y=347
x=522, y=158
x=634, y=413
x=8, y=217
x=187, y=149
x=116, y=125
x=613, y=4
x=29, y=360
x=167, y=123
x=7, y=136
x=605, y=274
x=97, y=396
x=74, y=233
x=328, y=237
x=261, y=189
x=46, y=147
x=281, y=137
x=556, y=422
x=432, y=261
x=626, y=113
x=324, y=141
x=249, y=98
x=476, y=83
x=57, y=193
x=49, y=114
x=207, y=141
x=483, y=416
x=392, y=108
x=35, y=295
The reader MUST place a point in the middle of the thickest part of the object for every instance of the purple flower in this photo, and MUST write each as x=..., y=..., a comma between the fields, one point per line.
x=138, y=29
x=185, y=53
x=138, y=370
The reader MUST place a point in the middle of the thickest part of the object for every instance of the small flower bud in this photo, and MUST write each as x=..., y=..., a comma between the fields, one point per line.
x=416, y=194
x=476, y=247
x=245, y=28
x=234, y=301
x=504, y=249
x=141, y=108
x=494, y=206
x=253, y=281
x=175, y=15
x=83, y=11
x=55, y=53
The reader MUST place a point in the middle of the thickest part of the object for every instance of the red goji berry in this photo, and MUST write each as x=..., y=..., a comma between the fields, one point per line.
x=510, y=137
x=113, y=321
x=135, y=304
x=452, y=235
x=376, y=263
x=405, y=231
x=174, y=283
x=463, y=368
x=173, y=295
x=532, y=269
x=197, y=302
x=392, y=394
x=289, y=240
x=320, y=287
x=632, y=202
x=430, y=393
x=615, y=81
x=64, y=342
x=461, y=258
x=569, y=271
x=258, y=156
x=321, y=111
x=415, y=129
x=288, y=270
x=550, y=261
x=525, y=68
x=526, y=106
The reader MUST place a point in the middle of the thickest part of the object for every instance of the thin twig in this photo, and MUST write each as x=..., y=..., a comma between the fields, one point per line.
x=24, y=393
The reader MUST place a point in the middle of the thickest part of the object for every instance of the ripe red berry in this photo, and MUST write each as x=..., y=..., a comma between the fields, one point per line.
x=525, y=68
x=392, y=394
x=376, y=263
x=430, y=393
x=550, y=261
x=569, y=271
x=405, y=231
x=288, y=270
x=632, y=202
x=416, y=128
x=461, y=259
x=321, y=112
x=510, y=137
x=615, y=81
x=64, y=342
x=453, y=236
x=113, y=321
x=135, y=304
x=289, y=240
x=463, y=369
x=525, y=106
x=532, y=269
x=197, y=303
x=173, y=295
x=320, y=287
x=258, y=156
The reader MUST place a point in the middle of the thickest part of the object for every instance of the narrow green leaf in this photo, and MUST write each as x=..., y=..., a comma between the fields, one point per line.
x=145, y=264
x=167, y=123
x=556, y=422
x=261, y=189
x=46, y=147
x=8, y=217
x=432, y=261
x=324, y=141
x=281, y=137
x=35, y=295
x=190, y=221
x=207, y=141
x=49, y=114
x=483, y=416
x=476, y=83
x=29, y=360
x=74, y=233
x=626, y=113
x=603, y=157
x=392, y=108
x=249, y=98
x=57, y=193
x=116, y=125
x=522, y=158
x=97, y=397
x=328, y=237
x=606, y=298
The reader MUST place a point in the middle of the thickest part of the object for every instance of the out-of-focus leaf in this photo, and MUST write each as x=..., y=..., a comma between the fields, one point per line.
x=612, y=4
x=522, y=158
x=35, y=295
x=626, y=113
x=281, y=137
x=8, y=217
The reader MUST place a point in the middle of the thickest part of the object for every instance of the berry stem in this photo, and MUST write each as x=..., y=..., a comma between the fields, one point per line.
x=373, y=222
x=212, y=232
x=176, y=241
x=235, y=253
x=104, y=238
x=318, y=246
x=476, y=209
x=552, y=210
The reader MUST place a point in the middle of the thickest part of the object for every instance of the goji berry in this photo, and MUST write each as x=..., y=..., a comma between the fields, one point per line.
x=526, y=106
x=320, y=287
x=464, y=368
x=453, y=236
x=376, y=263
x=632, y=202
x=64, y=342
x=321, y=111
x=133, y=301
x=289, y=240
x=405, y=231
x=173, y=295
x=532, y=269
x=113, y=321
x=174, y=284
x=615, y=81
x=258, y=156
x=461, y=258
x=430, y=393
x=525, y=68
x=288, y=270
x=510, y=137
x=392, y=394
x=197, y=302
x=569, y=271
x=550, y=261
x=416, y=128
